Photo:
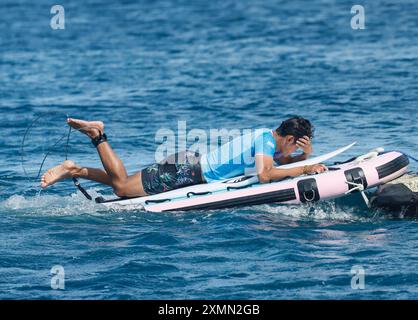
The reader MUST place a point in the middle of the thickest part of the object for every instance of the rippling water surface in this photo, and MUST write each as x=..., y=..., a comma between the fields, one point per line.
x=142, y=66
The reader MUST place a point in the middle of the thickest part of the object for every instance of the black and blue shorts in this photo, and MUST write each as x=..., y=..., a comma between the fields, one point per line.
x=176, y=171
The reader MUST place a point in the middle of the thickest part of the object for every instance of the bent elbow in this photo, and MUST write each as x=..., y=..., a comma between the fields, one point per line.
x=263, y=177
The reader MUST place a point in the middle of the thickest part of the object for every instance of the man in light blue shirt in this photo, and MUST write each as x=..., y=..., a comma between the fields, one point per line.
x=250, y=154
x=237, y=157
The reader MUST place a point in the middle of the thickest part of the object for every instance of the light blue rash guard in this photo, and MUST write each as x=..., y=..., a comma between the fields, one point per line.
x=238, y=155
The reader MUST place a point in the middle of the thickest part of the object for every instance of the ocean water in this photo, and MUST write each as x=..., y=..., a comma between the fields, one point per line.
x=143, y=66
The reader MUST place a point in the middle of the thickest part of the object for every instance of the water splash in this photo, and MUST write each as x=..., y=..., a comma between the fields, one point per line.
x=321, y=211
x=51, y=205
x=76, y=204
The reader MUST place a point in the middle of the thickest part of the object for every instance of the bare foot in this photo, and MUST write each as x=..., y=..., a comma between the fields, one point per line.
x=90, y=128
x=58, y=173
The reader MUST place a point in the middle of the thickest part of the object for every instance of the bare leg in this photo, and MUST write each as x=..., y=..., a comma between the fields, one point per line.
x=122, y=184
x=68, y=169
x=131, y=187
x=93, y=174
x=114, y=175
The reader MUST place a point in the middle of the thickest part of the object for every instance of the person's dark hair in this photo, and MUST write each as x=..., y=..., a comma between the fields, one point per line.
x=297, y=127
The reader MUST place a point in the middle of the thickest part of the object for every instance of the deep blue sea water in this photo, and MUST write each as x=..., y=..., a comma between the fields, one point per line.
x=142, y=66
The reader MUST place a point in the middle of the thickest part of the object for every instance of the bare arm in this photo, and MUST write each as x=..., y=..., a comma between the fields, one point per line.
x=266, y=172
x=291, y=159
x=305, y=145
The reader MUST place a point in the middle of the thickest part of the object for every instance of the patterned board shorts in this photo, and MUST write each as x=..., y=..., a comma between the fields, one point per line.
x=176, y=171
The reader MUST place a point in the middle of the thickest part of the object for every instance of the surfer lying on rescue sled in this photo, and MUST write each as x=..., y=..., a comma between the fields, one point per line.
x=188, y=168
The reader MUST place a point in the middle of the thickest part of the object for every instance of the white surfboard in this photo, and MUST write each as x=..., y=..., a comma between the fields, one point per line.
x=318, y=159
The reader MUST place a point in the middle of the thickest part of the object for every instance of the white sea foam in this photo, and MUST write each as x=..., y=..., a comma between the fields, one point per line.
x=77, y=204
x=52, y=205
x=326, y=210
